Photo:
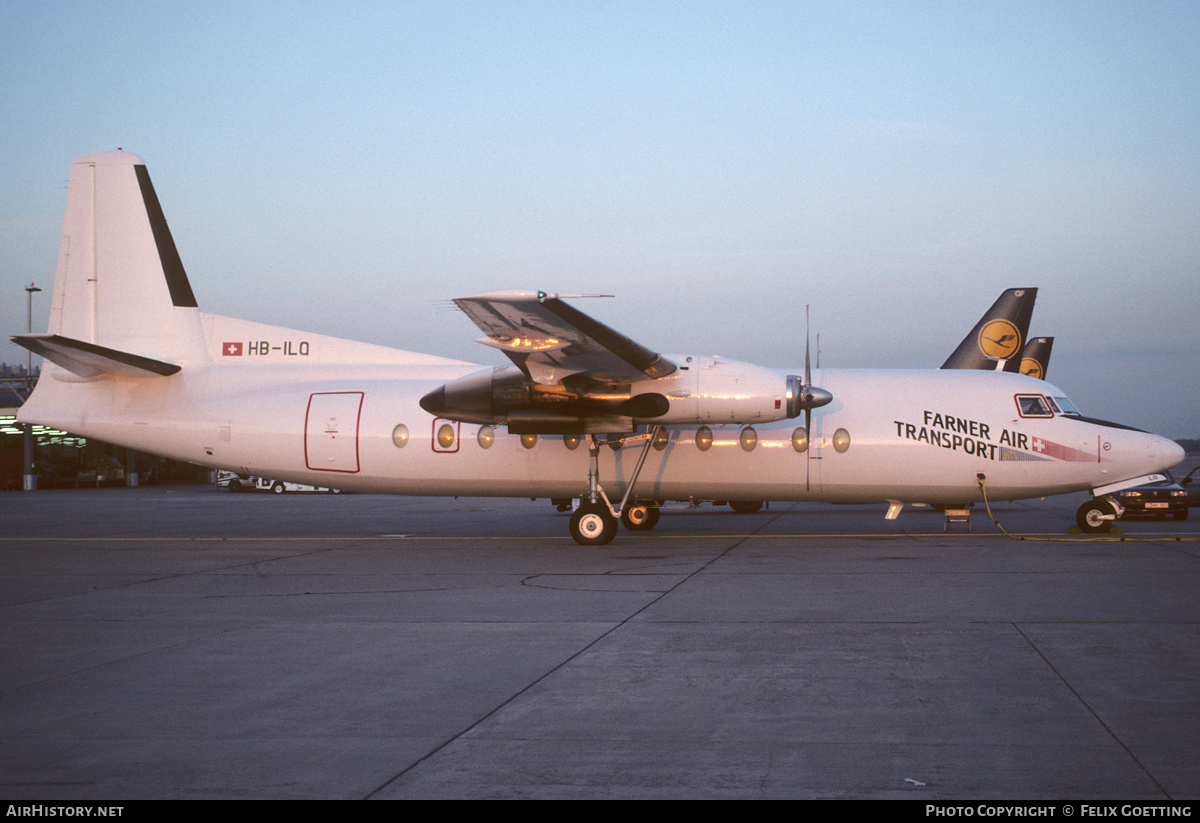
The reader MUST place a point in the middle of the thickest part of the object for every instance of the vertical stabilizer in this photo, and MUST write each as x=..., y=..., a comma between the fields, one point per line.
x=998, y=336
x=1035, y=359
x=119, y=282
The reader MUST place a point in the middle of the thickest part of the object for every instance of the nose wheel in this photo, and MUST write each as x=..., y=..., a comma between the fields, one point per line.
x=1095, y=516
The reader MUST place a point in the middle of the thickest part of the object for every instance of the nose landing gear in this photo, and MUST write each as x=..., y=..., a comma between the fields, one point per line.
x=1097, y=516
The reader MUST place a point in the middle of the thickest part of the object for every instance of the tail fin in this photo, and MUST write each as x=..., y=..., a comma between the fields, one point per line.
x=121, y=297
x=998, y=336
x=1035, y=359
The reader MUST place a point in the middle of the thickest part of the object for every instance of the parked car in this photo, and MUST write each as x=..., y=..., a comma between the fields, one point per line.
x=1166, y=498
x=1193, y=494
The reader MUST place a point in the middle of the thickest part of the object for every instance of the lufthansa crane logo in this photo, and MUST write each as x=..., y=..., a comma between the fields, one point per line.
x=1033, y=368
x=999, y=339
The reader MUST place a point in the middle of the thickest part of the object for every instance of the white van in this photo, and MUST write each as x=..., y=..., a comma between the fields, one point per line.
x=247, y=482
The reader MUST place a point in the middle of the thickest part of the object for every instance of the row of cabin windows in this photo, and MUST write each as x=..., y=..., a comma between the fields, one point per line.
x=747, y=438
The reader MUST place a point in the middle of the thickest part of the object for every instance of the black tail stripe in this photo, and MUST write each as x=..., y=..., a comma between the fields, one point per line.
x=177, y=281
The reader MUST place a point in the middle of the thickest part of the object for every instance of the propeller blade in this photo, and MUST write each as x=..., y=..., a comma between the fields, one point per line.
x=809, y=398
x=807, y=368
x=807, y=409
x=807, y=457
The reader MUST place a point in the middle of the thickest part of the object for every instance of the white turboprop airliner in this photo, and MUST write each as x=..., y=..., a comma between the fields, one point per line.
x=133, y=361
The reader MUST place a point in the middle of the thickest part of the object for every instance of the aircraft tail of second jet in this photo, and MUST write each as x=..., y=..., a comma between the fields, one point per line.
x=1035, y=359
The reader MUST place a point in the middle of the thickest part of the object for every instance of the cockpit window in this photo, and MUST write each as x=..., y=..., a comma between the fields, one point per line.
x=1067, y=406
x=1033, y=405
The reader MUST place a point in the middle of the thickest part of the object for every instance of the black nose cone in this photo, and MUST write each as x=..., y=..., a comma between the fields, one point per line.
x=435, y=401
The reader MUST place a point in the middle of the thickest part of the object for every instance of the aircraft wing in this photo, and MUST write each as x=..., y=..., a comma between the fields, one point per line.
x=550, y=340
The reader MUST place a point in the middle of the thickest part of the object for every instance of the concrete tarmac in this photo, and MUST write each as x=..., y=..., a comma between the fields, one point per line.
x=180, y=642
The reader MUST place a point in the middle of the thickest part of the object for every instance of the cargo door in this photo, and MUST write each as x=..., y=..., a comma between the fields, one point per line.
x=331, y=431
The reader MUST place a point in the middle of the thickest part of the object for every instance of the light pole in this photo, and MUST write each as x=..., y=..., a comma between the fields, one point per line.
x=30, y=481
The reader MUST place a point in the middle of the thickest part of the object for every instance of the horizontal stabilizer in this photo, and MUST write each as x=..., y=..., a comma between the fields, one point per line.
x=89, y=360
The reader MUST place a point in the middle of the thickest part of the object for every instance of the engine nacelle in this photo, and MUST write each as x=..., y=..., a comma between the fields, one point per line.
x=701, y=390
x=713, y=390
x=505, y=396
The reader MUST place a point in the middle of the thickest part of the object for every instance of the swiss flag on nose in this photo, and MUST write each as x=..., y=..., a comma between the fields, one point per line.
x=232, y=349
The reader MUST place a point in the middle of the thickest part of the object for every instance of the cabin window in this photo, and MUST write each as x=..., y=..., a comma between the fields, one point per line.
x=400, y=436
x=1033, y=405
x=748, y=439
x=841, y=441
x=486, y=437
x=445, y=435
x=529, y=440
x=572, y=441
x=661, y=438
x=800, y=439
x=704, y=438
x=615, y=441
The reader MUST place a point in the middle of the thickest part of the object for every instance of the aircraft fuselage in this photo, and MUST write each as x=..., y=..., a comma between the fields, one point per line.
x=902, y=435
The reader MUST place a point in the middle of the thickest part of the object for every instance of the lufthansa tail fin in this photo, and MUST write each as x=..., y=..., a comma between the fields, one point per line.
x=122, y=303
x=1035, y=359
x=995, y=342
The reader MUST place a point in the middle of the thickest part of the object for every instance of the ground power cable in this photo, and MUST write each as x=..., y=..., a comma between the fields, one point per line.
x=1109, y=538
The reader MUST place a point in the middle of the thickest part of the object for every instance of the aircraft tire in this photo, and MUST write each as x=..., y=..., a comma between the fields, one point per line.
x=593, y=525
x=278, y=488
x=1090, y=517
x=639, y=518
x=745, y=506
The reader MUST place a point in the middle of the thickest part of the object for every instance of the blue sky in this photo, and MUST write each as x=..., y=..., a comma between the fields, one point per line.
x=348, y=168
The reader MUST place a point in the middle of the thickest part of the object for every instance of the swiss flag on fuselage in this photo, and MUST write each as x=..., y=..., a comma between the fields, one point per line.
x=231, y=349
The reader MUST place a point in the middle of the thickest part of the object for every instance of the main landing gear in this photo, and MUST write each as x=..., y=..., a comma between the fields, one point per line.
x=594, y=523
x=745, y=506
x=640, y=517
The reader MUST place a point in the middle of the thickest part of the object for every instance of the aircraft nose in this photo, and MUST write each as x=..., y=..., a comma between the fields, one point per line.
x=1171, y=453
x=1157, y=454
